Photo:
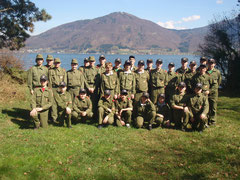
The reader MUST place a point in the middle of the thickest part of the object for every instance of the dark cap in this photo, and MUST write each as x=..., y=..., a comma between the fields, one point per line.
x=127, y=62
x=202, y=66
x=211, y=61
x=62, y=84
x=82, y=91
x=118, y=60
x=131, y=57
x=101, y=56
x=107, y=92
x=124, y=92
x=161, y=95
x=145, y=94
x=141, y=62
x=149, y=61
x=85, y=60
x=43, y=78
x=184, y=59
x=91, y=59
x=203, y=58
x=193, y=63
x=159, y=61
x=171, y=64
x=182, y=84
x=198, y=85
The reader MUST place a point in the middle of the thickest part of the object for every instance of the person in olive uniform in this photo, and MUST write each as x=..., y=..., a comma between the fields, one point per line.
x=203, y=60
x=35, y=73
x=127, y=79
x=82, y=107
x=101, y=66
x=117, y=67
x=142, y=78
x=132, y=60
x=49, y=64
x=149, y=65
x=198, y=107
x=183, y=69
x=109, y=80
x=216, y=76
x=42, y=100
x=85, y=65
x=106, y=109
x=178, y=103
x=188, y=76
x=145, y=111
x=158, y=81
x=75, y=79
x=163, y=112
x=63, y=102
x=123, y=110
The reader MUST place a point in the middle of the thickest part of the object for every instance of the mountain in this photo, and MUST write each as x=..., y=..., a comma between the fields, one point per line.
x=114, y=32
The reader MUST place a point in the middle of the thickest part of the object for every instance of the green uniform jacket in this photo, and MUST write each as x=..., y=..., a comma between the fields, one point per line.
x=107, y=104
x=198, y=104
x=172, y=80
x=120, y=104
x=76, y=79
x=163, y=109
x=179, y=99
x=42, y=99
x=141, y=81
x=205, y=79
x=101, y=69
x=188, y=80
x=143, y=110
x=49, y=67
x=111, y=82
x=57, y=75
x=181, y=72
x=158, y=78
x=63, y=100
x=92, y=77
x=34, y=75
x=127, y=81
x=82, y=105
x=216, y=78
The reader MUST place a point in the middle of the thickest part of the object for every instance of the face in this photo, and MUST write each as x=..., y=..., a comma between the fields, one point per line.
x=132, y=60
x=197, y=90
x=127, y=67
x=203, y=70
x=74, y=66
x=82, y=95
x=181, y=89
x=211, y=65
x=158, y=65
x=140, y=67
x=184, y=63
x=102, y=61
x=57, y=64
x=203, y=62
x=143, y=99
x=50, y=62
x=108, y=68
x=39, y=62
x=170, y=68
x=117, y=64
x=43, y=83
x=86, y=63
x=161, y=100
x=149, y=65
x=123, y=96
x=92, y=63
x=63, y=89
x=193, y=67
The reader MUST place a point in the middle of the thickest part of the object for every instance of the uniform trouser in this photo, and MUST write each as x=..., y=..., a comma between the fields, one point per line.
x=198, y=123
x=169, y=92
x=212, y=99
x=180, y=118
x=155, y=92
x=94, y=99
x=126, y=117
x=76, y=116
x=64, y=119
x=149, y=117
x=161, y=121
x=54, y=110
x=102, y=114
x=74, y=91
x=41, y=119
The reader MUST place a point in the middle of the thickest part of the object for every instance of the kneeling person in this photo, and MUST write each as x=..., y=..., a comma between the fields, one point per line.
x=82, y=107
x=42, y=99
x=124, y=109
x=106, y=109
x=63, y=102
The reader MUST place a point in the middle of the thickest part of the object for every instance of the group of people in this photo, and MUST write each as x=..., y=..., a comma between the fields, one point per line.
x=184, y=99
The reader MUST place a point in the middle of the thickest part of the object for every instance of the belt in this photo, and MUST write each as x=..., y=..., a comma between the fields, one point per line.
x=55, y=86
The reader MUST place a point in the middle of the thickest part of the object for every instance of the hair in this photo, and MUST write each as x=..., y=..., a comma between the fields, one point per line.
x=108, y=64
x=131, y=57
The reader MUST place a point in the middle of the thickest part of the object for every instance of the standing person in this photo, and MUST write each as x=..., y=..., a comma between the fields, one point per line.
x=183, y=69
x=123, y=110
x=213, y=95
x=101, y=66
x=132, y=60
x=178, y=103
x=127, y=80
x=35, y=73
x=172, y=83
x=109, y=80
x=42, y=100
x=75, y=79
x=49, y=64
x=82, y=107
x=203, y=60
x=149, y=65
x=189, y=75
x=117, y=67
x=198, y=106
x=63, y=102
x=142, y=78
x=106, y=109
x=145, y=111
x=85, y=65
x=158, y=81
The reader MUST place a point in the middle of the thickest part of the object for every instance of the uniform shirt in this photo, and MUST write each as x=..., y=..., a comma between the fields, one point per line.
x=158, y=78
x=42, y=99
x=127, y=81
x=81, y=105
x=188, y=80
x=107, y=104
x=57, y=75
x=110, y=81
x=92, y=77
x=142, y=79
x=204, y=79
x=75, y=78
x=34, y=75
x=101, y=69
x=216, y=78
x=179, y=99
x=120, y=104
x=63, y=100
x=164, y=110
x=172, y=80
x=49, y=67
x=182, y=73
x=144, y=109
x=198, y=104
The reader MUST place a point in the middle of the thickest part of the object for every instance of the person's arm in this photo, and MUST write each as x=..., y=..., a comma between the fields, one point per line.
x=30, y=81
x=50, y=100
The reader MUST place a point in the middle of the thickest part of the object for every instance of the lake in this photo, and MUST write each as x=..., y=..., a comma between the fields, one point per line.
x=29, y=59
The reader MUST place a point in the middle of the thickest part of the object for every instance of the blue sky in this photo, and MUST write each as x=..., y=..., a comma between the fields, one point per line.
x=174, y=14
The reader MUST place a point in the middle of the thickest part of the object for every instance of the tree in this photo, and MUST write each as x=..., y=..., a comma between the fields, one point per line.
x=17, y=17
x=222, y=43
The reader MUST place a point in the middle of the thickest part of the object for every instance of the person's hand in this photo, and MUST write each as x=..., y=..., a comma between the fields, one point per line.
x=120, y=112
x=185, y=109
x=84, y=113
x=132, y=96
x=123, y=123
x=105, y=120
x=31, y=92
x=206, y=92
x=115, y=96
x=160, y=115
x=109, y=110
x=91, y=90
x=203, y=116
x=39, y=109
x=33, y=112
x=68, y=110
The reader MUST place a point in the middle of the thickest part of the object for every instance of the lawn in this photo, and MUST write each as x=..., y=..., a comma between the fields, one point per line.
x=85, y=152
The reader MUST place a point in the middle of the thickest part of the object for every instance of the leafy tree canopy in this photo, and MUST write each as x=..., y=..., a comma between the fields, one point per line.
x=17, y=17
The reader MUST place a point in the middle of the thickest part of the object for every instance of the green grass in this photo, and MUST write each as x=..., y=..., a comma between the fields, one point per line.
x=85, y=152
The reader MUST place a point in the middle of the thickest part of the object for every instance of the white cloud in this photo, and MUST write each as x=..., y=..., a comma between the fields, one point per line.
x=219, y=1
x=191, y=18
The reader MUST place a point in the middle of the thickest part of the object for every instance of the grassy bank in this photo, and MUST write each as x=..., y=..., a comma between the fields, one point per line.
x=85, y=152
